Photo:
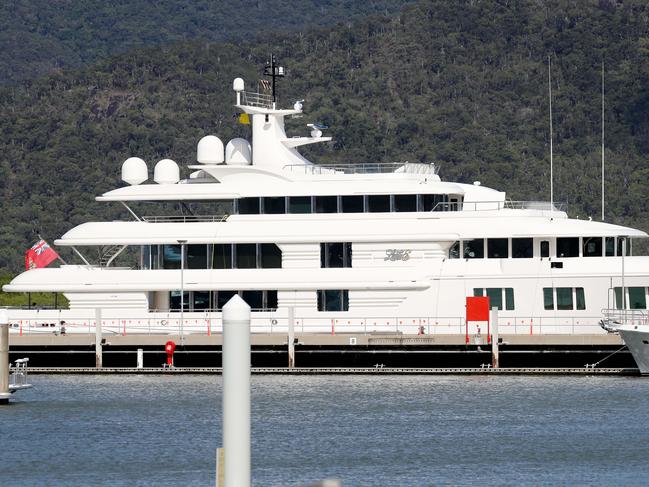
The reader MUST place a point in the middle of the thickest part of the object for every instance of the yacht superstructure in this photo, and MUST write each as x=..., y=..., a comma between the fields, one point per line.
x=379, y=247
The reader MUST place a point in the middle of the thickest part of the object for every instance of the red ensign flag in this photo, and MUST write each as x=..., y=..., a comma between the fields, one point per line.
x=40, y=255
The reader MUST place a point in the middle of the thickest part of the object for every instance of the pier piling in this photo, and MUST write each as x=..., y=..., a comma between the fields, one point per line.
x=4, y=357
x=236, y=393
x=494, y=338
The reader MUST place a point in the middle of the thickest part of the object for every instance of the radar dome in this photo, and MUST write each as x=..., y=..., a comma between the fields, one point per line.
x=134, y=171
x=238, y=152
x=238, y=85
x=166, y=172
x=209, y=150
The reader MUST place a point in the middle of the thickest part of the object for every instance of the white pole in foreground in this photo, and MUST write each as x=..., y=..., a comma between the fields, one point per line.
x=236, y=392
x=4, y=357
x=495, y=363
x=291, y=337
x=99, y=361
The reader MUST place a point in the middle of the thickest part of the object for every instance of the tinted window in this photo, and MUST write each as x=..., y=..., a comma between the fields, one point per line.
x=474, y=249
x=271, y=299
x=509, y=298
x=548, y=299
x=454, y=251
x=249, y=206
x=271, y=256
x=246, y=256
x=405, y=202
x=620, y=241
x=568, y=247
x=618, y=298
x=522, y=248
x=352, y=204
x=378, y=203
x=592, y=246
x=545, y=248
x=329, y=204
x=196, y=256
x=171, y=256
x=299, y=204
x=174, y=301
x=564, y=298
x=610, y=246
x=637, y=298
x=478, y=291
x=495, y=295
x=222, y=297
x=336, y=254
x=333, y=300
x=222, y=256
x=201, y=300
x=254, y=299
x=581, y=299
x=497, y=248
x=275, y=205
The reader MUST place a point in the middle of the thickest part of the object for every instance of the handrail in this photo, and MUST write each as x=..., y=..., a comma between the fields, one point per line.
x=365, y=168
x=498, y=205
x=253, y=99
x=185, y=218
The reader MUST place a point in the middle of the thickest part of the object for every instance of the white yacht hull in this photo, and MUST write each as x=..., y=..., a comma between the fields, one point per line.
x=636, y=338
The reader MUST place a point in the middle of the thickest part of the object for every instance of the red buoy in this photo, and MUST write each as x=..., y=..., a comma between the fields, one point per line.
x=170, y=347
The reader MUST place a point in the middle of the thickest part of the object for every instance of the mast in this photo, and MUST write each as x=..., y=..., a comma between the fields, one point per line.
x=551, y=161
x=274, y=71
x=602, y=140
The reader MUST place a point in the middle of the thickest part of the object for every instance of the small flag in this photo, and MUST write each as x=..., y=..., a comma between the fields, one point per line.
x=265, y=84
x=244, y=119
x=40, y=255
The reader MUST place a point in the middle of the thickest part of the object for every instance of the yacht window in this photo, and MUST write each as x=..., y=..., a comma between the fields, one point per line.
x=545, y=248
x=171, y=257
x=271, y=300
x=299, y=204
x=145, y=259
x=564, y=298
x=619, y=246
x=333, y=300
x=618, y=298
x=637, y=298
x=433, y=202
x=454, y=251
x=275, y=205
x=249, y=206
x=378, y=203
x=497, y=248
x=174, y=301
x=246, y=256
x=523, y=248
x=610, y=246
x=568, y=247
x=271, y=256
x=405, y=202
x=592, y=247
x=495, y=295
x=196, y=256
x=336, y=254
x=548, y=298
x=155, y=257
x=473, y=249
x=201, y=300
x=352, y=204
x=222, y=256
x=329, y=204
x=222, y=298
x=580, y=298
x=254, y=299
x=509, y=298
x=478, y=292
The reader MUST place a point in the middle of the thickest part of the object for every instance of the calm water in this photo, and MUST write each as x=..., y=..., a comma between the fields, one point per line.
x=367, y=431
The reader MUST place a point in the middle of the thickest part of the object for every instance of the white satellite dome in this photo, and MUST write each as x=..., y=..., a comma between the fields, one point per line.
x=238, y=85
x=238, y=152
x=209, y=150
x=134, y=171
x=166, y=171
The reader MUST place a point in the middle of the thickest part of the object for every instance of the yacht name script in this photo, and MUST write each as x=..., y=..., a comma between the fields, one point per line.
x=394, y=255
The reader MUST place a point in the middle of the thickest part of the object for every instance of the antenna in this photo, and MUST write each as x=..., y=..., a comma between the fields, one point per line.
x=602, y=140
x=274, y=71
x=551, y=161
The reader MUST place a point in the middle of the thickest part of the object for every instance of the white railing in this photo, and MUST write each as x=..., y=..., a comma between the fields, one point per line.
x=365, y=168
x=253, y=99
x=208, y=323
x=614, y=318
x=544, y=206
x=185, y=218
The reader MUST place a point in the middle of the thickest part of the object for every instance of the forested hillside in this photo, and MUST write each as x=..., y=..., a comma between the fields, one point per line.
x=463, y=84
x=38, y=37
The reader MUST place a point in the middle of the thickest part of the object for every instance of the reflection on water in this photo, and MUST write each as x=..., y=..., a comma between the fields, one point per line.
x=366, y=430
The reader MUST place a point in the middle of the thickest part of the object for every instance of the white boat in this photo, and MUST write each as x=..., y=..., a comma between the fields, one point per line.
x=351, y=247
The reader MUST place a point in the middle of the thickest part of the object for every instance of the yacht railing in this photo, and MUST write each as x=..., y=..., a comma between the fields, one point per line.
x=614, y=318
x=499, y=205
x=253, y=99
x=185, y=218
x=210, y=322
x=364, y=168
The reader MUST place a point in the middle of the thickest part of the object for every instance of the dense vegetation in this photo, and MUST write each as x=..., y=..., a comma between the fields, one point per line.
x=41, y=36
x=463, y=84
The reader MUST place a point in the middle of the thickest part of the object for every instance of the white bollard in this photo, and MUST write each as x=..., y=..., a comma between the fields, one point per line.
x=140, y=358
x=495, y=361
x=4, y=357
x=236, y=393
x=99, y=359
